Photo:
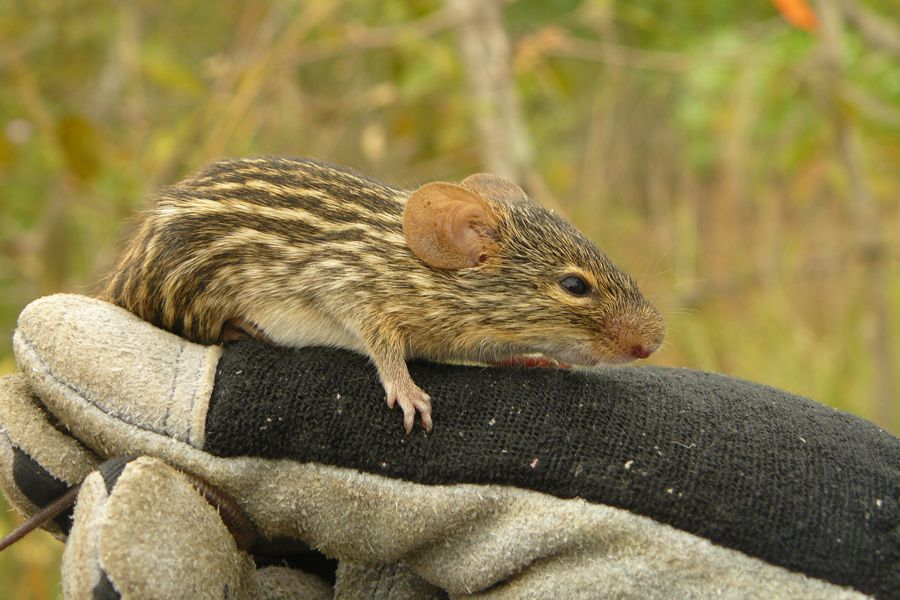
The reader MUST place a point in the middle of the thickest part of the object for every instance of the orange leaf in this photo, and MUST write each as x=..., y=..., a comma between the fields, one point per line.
x=797, y=13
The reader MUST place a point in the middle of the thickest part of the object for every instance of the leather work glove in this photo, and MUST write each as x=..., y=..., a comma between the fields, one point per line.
x=535, y=483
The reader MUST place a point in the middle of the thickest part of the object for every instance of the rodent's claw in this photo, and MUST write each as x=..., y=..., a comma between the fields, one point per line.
x=412, y=399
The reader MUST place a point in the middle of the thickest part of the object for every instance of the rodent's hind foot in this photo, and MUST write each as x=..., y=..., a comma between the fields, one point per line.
x=411, y=399
x=236, y=329
x=530, y=361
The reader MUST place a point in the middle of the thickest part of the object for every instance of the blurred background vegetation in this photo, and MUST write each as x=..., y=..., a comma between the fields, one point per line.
x=741, y=159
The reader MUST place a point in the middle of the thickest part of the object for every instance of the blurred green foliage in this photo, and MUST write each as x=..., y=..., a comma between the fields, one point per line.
x=710, y=147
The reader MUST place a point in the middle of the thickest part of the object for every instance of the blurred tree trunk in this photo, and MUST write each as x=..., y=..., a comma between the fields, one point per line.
x=728, y=221
x=485, y=49
x=599, y=170
x=504, y=142
x=869, y=240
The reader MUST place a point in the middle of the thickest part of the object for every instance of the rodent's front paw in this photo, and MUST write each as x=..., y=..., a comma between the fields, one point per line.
x=411, y=399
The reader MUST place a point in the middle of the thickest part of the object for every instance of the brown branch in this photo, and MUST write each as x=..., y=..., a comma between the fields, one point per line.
x=870, y=107
x=364, y=39
x=877, y=30
x=622, y=56
x=560, y=43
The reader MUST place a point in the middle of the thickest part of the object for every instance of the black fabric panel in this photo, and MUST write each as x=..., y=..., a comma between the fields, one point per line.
x=288, y=552
x=40, y=486
x=749, y=467
x=112, y=469
x=105, y=590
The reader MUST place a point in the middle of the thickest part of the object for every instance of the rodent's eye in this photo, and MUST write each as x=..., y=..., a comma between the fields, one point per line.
x=575, y=285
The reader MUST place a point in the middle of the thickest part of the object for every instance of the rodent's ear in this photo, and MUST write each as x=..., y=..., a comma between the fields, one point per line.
x=448, y=227
x=494, y=187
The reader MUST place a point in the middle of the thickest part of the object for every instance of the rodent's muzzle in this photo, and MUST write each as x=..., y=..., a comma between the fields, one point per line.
x=633, y=335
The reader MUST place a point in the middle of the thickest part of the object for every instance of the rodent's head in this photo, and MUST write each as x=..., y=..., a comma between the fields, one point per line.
x=579, y=306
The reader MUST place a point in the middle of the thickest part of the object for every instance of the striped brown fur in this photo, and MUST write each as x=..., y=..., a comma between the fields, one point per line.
x=315, y=253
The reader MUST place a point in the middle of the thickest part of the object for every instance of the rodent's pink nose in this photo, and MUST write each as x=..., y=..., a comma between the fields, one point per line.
x=641, y=351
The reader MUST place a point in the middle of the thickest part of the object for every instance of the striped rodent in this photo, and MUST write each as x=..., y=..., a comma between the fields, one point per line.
x=303, y=253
